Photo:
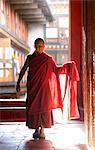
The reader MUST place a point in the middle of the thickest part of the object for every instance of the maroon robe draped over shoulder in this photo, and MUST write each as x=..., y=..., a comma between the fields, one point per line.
x=43, y=85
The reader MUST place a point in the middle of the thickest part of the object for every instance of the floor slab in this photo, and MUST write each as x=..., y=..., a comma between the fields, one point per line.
x=62, y=136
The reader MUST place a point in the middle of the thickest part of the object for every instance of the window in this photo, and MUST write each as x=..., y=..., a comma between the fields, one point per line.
x=63, y=22
x=51, y=33
x=2, y=5
x=2, y=13
x=1, y=53
x=60, y=59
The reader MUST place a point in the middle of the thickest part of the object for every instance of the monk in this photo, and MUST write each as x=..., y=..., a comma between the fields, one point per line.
x=43, y=89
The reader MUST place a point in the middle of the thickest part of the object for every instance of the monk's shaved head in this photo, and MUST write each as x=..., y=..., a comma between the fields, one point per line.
x=38, y=40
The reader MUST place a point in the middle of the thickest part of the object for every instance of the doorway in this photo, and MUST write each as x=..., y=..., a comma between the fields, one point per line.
x=57, y=45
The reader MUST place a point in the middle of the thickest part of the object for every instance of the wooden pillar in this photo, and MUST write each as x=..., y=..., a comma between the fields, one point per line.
x=75, y=14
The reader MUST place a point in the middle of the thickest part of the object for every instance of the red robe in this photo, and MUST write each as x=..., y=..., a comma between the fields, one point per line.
x=43, y=85
x=72, y=77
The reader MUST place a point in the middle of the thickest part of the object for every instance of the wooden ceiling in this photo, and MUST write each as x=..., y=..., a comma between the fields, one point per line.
x=32, y=10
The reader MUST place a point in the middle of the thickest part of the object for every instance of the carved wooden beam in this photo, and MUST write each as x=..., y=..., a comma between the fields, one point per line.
x=25, y=6
x=21, y=1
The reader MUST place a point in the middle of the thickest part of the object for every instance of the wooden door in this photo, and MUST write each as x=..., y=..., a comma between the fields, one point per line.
x=88, y=59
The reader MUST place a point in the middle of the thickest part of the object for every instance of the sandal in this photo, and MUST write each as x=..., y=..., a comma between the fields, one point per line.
x=42, y=134
x=36, y=134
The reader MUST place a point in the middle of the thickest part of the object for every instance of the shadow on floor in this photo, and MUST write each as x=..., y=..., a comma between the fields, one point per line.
x=48, y=145
x=38, y=145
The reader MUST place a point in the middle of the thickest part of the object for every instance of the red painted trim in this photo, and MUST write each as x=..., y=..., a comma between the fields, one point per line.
x=75, y=27
x=13, y=115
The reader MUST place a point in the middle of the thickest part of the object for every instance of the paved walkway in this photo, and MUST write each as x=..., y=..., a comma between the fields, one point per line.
x=62, y=136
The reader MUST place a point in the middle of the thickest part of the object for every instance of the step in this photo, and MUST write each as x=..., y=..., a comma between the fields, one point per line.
x=17, y=115
x=12, y=110
x=12, y=102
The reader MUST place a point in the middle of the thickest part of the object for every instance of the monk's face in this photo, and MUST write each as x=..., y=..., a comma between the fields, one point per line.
x=40, y=46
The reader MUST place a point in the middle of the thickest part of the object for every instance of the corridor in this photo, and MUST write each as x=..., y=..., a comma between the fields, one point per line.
x=62, y=136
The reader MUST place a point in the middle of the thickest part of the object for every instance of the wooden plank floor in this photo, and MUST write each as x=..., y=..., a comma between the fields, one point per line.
x=62, y=136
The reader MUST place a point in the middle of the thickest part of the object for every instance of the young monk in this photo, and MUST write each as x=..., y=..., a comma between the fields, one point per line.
x=43, y=89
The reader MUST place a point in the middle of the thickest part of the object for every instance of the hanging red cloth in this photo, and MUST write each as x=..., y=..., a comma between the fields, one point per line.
x=71, y=79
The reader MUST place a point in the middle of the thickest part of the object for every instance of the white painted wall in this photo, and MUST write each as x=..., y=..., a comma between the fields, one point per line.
x=35, y=31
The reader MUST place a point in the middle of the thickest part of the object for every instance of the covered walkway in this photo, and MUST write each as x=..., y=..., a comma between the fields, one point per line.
x=62, y=136
x=70, y=136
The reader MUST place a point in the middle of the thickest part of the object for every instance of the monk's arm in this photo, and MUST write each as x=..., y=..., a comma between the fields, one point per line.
x=64, y=69
x=60, y=69
x=22, y=72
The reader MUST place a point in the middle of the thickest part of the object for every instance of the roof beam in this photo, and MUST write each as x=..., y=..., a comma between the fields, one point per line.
x=29, y=11
x=25, y=6
x=36, y=20
x=32, y=16
x=21, y=1
x=15, y=40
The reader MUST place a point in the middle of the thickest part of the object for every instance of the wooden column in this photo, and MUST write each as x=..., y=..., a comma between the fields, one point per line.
x=89, y=72
x=76, y=44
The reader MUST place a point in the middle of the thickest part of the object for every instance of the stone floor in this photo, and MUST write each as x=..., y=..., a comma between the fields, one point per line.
x=62, y=136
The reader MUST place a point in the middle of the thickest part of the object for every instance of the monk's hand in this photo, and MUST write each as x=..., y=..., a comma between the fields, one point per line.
x=18, y=87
